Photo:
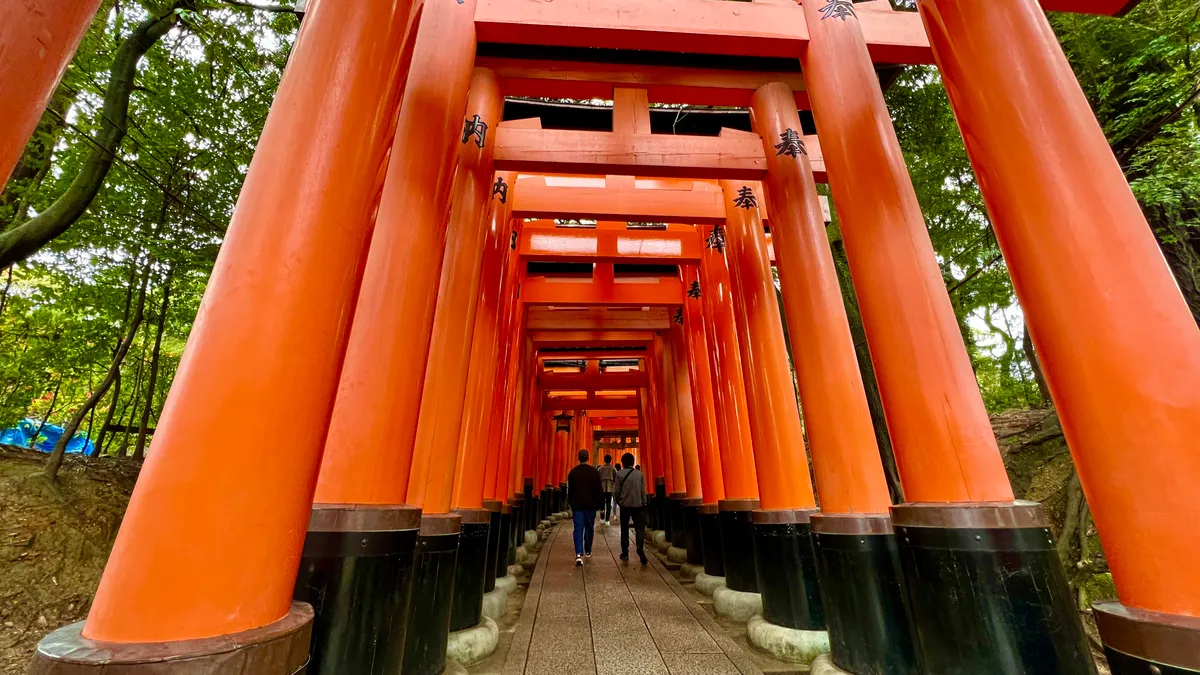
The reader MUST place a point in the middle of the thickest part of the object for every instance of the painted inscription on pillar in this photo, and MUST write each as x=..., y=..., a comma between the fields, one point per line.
x=475, y=128
x=716, y=239
x=500, y=189
x=513, y=244
x=790, y=144
x=678, y=318
x=838, y=9
x=746, y=199
x=694, y=290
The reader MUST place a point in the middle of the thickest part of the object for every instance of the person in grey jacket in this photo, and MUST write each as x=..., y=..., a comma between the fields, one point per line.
x=631, y=497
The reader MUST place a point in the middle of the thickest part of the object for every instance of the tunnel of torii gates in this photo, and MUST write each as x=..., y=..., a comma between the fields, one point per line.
x=428, y=419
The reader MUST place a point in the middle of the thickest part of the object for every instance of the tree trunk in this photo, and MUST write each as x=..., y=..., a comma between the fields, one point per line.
x=116, y=397
x=22, y=241
x=1070, y=521
x=49, y=411
x=134, y=398
x=867, y=367
x=4, y=293
x=139, y=450
x=1036, y=365
x=60, y=448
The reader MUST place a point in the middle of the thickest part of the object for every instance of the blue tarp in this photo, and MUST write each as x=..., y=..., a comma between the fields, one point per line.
x=22, y=435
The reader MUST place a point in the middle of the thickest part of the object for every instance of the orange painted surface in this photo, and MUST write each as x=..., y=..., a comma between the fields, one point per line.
x=690, y=26
x=841, y=438
x=208, y=546
x=542, y=291
x=782, y=465
x=686, y=412
x=640, y=154
x=666, y=375
x=542, y=241
x=725, y=361
x=621, y=324
x=38, y=38
x=593, y=381
x=369, y=451
x=940, y=431
x=742, y=327
x=512, y=398
x=488, y=340
x=1119, y=347
x=445, y=474
x=704, y=405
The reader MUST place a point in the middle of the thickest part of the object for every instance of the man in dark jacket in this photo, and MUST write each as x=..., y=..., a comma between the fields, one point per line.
x=585, y=494
x=631, y=497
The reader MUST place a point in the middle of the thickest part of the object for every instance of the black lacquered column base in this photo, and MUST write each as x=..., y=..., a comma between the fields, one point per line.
x=471, y=569
x=562, y=497
x=1139, y=642
x=693, y=541
x=658, y=506
x=737, y=541
x=987, y=591
x=710, y=540
x=862, y=592
x=500, y=561
x=432, y=594
x=678, y=536
x=495, y=508
x=357, y=572
x=787, y=569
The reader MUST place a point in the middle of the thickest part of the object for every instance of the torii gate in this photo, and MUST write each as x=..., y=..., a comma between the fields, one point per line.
x=411, y=413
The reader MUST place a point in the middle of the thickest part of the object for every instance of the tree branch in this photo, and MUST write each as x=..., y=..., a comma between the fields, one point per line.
x=278, y=9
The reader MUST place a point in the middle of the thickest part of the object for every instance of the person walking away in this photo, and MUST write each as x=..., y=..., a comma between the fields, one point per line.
x=608, y=482
x=585, y=494
x=631, y=497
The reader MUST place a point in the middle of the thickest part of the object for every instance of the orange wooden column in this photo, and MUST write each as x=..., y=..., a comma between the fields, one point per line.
x=846, y=462
x=670, y=401
x=686, y=410
x=209, y=545
x=369, y=452
x=940, y=431
x=646, y=438
x=716, y=293
x=37, y=42
x=783, y=480
x=562, y=445
x=1118, y=345
x=704, y=406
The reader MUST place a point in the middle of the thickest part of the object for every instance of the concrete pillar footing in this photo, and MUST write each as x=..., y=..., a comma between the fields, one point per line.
x=495, y=603
x=823, y=665
x=531, y=537
x=691, y=571
x=708, y=584
x=677, y=555
x=509, y=583
x=736, y=605
x=790, y=645
x=473, y=645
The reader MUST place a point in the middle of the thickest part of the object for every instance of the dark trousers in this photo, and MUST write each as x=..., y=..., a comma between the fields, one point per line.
x=606, y=510
x=636, y=516
x=585, y=524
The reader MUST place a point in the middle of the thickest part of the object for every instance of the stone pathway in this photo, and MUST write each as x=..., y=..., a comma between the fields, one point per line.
x=615, y=618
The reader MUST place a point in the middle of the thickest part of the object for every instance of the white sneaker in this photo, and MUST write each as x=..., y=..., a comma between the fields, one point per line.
x=587, y=555
x=578, y=561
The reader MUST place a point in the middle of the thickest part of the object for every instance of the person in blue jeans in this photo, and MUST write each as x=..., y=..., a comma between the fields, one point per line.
x=585, y=494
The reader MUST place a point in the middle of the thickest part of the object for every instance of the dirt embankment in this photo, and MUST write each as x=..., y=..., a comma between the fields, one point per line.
x=54, y=541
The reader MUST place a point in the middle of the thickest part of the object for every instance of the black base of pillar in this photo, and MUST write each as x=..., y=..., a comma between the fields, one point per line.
x=987, y=591
x=862, y=592
x=658, y=506
x=432, y=595
x=357, y=572
x=710, y=540
x=471, y=569
x=692, y=539
x=1138, y=642
x=280, y=648
x=737, y=542
x=495, y=531
x=504, y=542
x=678, y=535
x=787, y=569
x=562, y=497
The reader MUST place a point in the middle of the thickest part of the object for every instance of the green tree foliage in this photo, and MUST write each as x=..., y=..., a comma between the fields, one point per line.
x=195, y=110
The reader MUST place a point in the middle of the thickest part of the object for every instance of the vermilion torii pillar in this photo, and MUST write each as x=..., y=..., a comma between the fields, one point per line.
x=689, y=539
x=708, y=428
x=857, y=562
x=180, y=573
x=969, y=528
x=737, y=447
x=1118, y=345
x=784, y=553
x=37, y=42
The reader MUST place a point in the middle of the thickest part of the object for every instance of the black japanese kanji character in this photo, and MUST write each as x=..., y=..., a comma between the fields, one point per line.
x=500, y=188
x=679, y=316
x=475, y=127
x=716, y=239
x=838, y=9
x=694, y=290
x=746, y=198
x=791, y=144
x=513, y=244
